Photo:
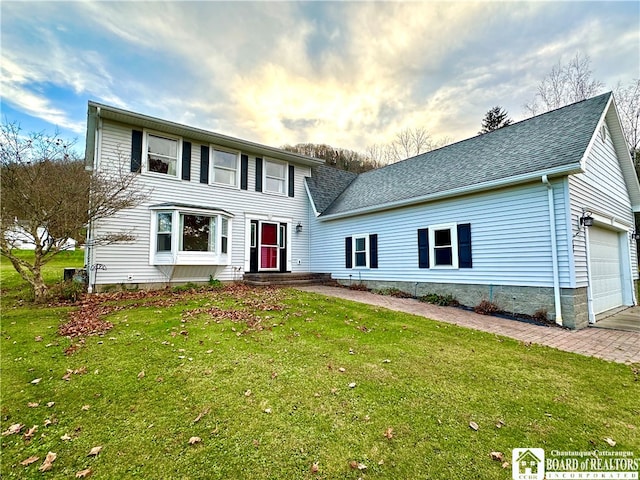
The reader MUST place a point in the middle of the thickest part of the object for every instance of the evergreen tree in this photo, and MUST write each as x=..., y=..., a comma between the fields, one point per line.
x=494, y=119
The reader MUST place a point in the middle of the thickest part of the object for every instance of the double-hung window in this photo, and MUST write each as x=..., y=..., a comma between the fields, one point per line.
x=275, y=177
x=163, y=236
x=162, y=154
x=360, y=249
x=225, y=167
x=445, y=246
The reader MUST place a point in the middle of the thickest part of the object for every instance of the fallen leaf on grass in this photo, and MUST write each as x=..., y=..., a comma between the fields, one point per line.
x=610, y=441
x=84, y=473
x=200, y=415
x=67, y=376
x=38, y=338
x=48, y=462
x=194, y=440
x=65, y=437
x=30, y=432
x=247, y=393
x=315, y=468
x=141, y=375
x=36, y=381
x=505, y=465
x=51, y=404
x=388, y=433
x=498, y=456
x=86, y=407
x=47, y=422
x=357, y=465
x=342, y=369
x=267, y=410
x=474, y=426
x=13, y=429
x=32, y=404
x=29, y=461
x=352, y=385
x=95, y=451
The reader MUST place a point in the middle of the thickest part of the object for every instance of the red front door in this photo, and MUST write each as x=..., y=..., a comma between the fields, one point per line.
x=269, y=246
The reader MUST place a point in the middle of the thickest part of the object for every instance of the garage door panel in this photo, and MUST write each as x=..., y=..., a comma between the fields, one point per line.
x=606, y=273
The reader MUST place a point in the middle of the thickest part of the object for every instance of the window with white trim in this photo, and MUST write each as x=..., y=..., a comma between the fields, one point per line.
x=361, y=252
x=275, y=177
x=163, y=235
x=225, y=166
x=162, y=154
x=443, y=240
x=190, y=236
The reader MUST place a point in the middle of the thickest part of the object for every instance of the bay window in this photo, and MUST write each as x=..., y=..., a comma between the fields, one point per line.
x=187, y=235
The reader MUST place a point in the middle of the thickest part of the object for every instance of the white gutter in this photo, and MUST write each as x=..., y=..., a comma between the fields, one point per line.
x=554, y=250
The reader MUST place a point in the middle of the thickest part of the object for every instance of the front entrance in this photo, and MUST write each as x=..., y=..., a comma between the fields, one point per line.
x=268, y=251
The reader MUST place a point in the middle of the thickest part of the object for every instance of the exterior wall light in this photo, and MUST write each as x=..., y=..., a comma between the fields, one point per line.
x=299, y=228
x=586, y=220
x=635, y=235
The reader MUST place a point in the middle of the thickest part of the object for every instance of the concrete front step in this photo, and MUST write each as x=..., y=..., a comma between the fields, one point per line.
x=287, y=278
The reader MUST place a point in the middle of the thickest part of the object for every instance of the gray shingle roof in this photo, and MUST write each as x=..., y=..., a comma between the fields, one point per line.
x=547, y=142
x=326, y=183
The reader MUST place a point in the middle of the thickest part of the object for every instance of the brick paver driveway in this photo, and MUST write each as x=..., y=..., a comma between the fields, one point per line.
x=613, y=345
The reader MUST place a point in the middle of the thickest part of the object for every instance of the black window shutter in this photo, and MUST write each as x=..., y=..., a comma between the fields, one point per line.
x=244, y=172
x=136, y=151
x=373, y=250
x=348, y=253
x=291, y=184
x=186, y=160
x=464, y=245
x=204, y=164
x=258, y=174
x=423, y=247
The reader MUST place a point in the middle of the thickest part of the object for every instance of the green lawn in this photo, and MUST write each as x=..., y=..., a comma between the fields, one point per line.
x=263, y=378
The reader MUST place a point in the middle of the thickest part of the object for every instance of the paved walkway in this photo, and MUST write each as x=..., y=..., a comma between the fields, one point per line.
x=612, y=345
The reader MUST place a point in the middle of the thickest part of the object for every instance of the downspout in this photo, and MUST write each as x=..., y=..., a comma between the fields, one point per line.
x=554, y=250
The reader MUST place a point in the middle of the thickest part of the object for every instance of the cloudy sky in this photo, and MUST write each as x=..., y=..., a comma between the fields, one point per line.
x=347, y=74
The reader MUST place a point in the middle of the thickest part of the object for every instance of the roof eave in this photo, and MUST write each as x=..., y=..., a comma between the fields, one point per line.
x=457, y=192
x=192, y=133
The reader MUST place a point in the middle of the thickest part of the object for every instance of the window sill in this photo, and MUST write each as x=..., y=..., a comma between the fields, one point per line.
x=192, y=258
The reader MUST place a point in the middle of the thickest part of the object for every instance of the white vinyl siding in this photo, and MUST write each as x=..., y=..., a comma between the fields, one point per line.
x=128, y=263
x=510, y=238
x=601, y=189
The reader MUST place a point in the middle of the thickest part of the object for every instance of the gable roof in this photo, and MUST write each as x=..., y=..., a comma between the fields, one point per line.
x=551, y=144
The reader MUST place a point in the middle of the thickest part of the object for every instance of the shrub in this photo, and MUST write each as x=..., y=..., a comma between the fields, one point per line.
x=215, y=283
x=485, y=307
x=394, y=292
x=437, y=299
x=68, y=291
x=359, y=286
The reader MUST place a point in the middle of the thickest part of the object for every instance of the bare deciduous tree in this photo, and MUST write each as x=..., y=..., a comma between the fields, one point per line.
x=49, y=198
x=628, y=102
x=565, y=84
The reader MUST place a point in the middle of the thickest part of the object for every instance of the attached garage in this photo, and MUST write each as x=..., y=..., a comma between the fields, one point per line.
x=607, y=271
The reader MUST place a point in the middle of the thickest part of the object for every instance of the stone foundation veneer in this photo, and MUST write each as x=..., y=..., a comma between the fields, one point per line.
x=510, y=299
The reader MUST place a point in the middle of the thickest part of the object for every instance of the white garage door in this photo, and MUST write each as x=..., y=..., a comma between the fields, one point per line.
x=606, y=274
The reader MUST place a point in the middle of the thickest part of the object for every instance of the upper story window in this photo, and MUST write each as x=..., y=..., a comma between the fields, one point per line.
x=275, y=177
x=225, y=167
x=162, y=154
